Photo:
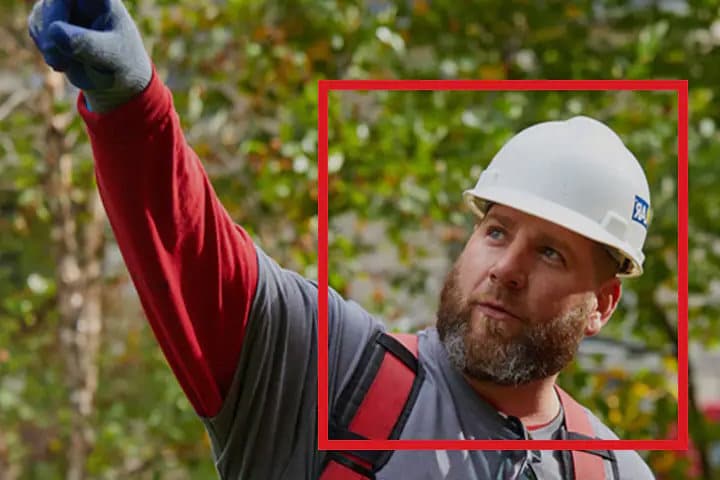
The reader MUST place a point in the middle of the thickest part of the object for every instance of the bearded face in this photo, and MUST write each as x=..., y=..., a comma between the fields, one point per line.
x=487, y=349
x=521, y=297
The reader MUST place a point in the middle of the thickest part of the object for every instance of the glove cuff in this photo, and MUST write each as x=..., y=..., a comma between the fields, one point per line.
x=104, y=100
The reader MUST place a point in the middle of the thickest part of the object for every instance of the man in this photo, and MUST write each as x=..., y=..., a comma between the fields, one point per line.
x=561, y=213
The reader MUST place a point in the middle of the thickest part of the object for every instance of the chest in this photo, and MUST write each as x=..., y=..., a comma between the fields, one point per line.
x=439, y=415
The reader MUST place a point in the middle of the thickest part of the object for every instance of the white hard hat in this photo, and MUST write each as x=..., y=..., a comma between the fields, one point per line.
x=577, y=174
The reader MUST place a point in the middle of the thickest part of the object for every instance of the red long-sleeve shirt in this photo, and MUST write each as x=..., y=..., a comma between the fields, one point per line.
x=195, y=270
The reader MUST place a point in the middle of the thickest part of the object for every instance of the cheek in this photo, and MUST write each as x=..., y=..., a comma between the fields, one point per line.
x=472, y=269
x=547, y=300
x=475, y=258
x=552, y=304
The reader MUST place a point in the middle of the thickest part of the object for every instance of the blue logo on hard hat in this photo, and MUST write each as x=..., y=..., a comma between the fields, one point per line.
x=641, y=211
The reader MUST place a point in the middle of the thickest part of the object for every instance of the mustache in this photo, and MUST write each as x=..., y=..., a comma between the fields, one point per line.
x=497, y=298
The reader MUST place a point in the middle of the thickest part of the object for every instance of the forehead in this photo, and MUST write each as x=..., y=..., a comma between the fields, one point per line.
x=512, y=218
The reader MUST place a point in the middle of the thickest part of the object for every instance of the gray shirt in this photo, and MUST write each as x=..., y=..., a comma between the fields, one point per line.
x=267, y=427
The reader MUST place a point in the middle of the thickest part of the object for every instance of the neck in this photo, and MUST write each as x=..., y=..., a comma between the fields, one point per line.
x=535, y=403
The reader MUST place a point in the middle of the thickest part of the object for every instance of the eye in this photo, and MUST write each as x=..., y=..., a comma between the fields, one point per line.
x=553, y=255
x=494, y=233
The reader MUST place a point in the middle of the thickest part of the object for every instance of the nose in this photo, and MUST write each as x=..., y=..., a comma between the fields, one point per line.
x=509, y=269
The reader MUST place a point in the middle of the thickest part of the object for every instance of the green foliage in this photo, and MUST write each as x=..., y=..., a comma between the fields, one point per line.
x=244, y=76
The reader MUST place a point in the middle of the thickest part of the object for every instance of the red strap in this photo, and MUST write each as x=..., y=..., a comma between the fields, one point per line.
x=338, y=471
x=384, y=402
x=382, y=406
x=586, y=465
x=409, y=340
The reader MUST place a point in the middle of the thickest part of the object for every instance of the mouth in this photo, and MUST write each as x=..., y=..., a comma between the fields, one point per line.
x=495, y=311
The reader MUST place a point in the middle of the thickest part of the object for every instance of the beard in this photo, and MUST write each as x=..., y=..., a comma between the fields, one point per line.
x=490, y=352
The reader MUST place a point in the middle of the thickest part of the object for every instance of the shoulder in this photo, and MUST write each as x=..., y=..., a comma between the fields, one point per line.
x=630, y=464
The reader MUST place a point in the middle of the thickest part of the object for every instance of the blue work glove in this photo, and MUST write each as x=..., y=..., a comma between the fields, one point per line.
x=96, y=44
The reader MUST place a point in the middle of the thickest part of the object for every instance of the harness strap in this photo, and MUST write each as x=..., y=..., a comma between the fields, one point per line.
x=586, y=465
x=375, y=404
x=385, y=399
x=345, y=467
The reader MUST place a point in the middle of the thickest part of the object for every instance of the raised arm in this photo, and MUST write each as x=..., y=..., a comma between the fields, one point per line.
x=239, y=331
x=194, y=269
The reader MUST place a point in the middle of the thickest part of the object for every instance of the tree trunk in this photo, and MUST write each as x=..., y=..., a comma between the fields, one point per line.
x=79, y=252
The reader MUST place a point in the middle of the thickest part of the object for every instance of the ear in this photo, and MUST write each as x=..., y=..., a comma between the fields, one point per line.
x=607, y=296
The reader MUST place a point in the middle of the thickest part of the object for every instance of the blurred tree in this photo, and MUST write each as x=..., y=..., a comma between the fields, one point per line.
x=244, y=75
x=77, y=237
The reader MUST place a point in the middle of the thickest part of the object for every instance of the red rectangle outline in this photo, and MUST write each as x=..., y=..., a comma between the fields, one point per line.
x=680, y=87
